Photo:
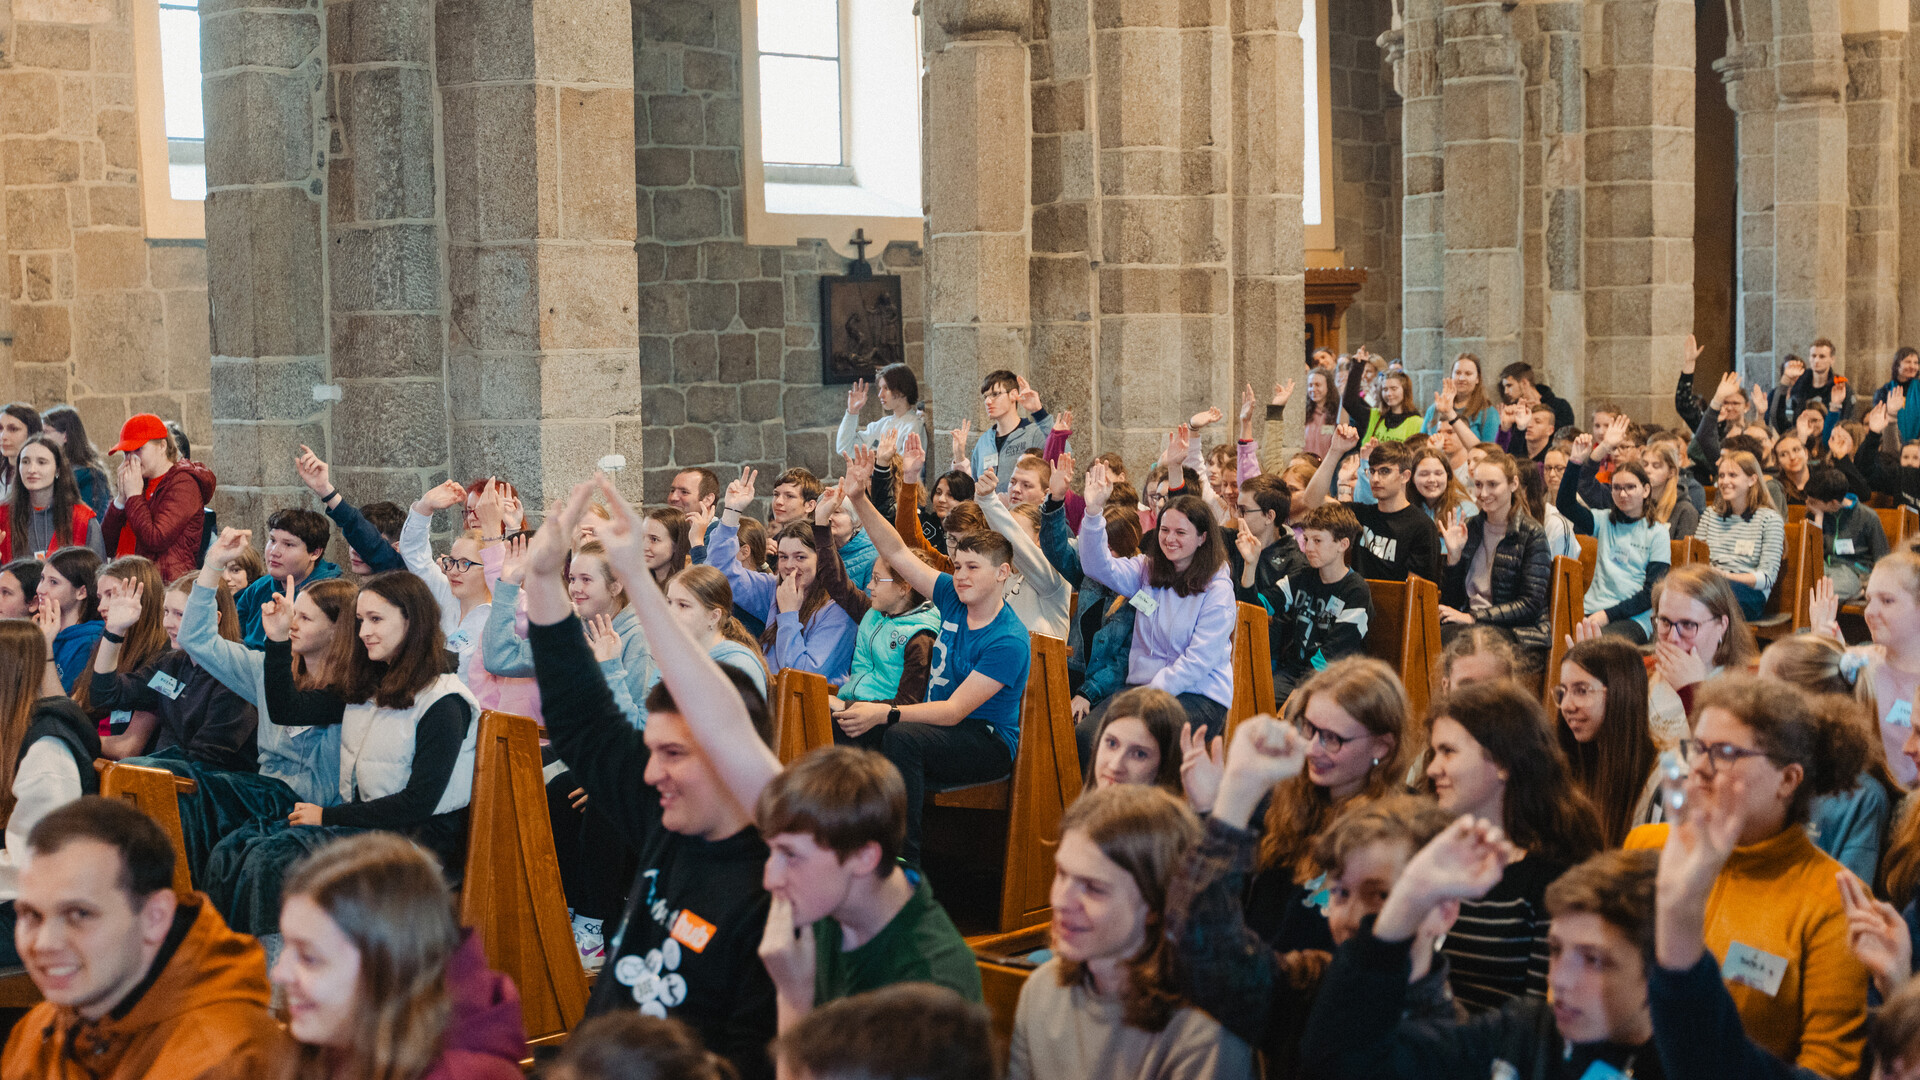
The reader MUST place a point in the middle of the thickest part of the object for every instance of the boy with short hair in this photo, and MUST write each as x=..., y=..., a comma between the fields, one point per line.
x=1517, y=384
x=793, y=497
x=1851, y=536
x=1031, y=479
x=295, y=557
x=1396, y=537
x=968, y=729
x=1007, y=436
x=845, y=918
x=1324, y=610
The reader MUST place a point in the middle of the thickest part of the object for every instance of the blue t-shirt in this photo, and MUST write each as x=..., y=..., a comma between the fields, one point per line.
x=999, y=650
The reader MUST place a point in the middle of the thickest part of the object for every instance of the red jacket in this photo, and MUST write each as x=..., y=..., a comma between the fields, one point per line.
x=485, y=1037
x=82, y=515
x=164, y=523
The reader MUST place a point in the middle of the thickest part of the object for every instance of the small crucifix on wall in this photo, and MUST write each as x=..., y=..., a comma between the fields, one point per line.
x=863, y=327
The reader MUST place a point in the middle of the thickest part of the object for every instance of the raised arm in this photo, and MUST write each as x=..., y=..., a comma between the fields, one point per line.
x=228, y=661
x=886, y=539
x=1028, y=558
x=360, y=534
x=1097, y=561
x=416, y=545
x=1345, y=438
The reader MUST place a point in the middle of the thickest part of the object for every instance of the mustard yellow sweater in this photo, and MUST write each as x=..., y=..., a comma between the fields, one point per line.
x=1780, y=897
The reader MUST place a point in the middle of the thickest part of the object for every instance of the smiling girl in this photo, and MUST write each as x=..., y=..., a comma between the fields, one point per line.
x=1138, y=741
x=44, y=508
x=1602, y=698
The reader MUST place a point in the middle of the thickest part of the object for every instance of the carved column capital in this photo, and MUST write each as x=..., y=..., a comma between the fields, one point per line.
x=980, y=18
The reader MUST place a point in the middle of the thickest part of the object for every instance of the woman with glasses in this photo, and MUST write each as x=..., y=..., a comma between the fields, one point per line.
x=1354, y=717
x=1633, y=552
x=457, y=580
x=1698, y=633
x=1602, y=699
x=1745, y=535
x=1850, y=825
x=1775, y=920
x=1493, y=756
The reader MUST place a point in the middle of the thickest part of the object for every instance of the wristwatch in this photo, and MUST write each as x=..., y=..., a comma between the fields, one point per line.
x=893, y=716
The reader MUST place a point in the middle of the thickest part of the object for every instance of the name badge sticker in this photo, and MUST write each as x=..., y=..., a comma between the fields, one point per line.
x=1746, y=547
x=1144, y=604
x=166, y=685
x=1749, y=966
x=1901, y=714
x=692, y=931
x=1843, y=546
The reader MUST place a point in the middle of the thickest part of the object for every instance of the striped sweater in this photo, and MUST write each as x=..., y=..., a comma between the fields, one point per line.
x=1750, y=543
x=1498, y=945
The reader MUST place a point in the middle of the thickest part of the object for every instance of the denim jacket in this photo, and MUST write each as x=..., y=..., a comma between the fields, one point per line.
x=1104, y=665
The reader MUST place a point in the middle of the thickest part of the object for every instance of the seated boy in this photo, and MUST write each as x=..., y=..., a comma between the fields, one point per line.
x=1323, y=611
x=1852, y=539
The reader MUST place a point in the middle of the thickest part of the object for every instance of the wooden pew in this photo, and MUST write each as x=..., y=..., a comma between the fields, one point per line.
x=1405, y=633
x=1046, y=777
x=1690, y=550
x=1796, y=513
x=1589, y=556
x=1569, y=598
x=1800, y=567
x=1252, y=666
x=155, y=793
x=1004, y=971
x=801, y=717
x=1898, y=522
x=511, y=895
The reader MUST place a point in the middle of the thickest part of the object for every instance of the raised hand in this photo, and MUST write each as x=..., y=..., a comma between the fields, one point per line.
x=1454, y=533
x=1443, y=404
x=1617, y=431
x=1877, y=935
x=276, y=617
x=1679, y=667
x=121, y=610
x=1823, y=609
x=1097, y=488
x=859, y=475
x=1759, y=399
x=887, y=447
x=1462, y=863
x=1064, y=421
x=1246, y=403
x=987, y=483
x=490, y=507
x=1698, y=844
x=1202, y=763
x=1876, y=418
x=857, y=396
x=788, y=594
x=828, y=502
x=443, y=497
x=959, y=456
x=228, y=547
x=313, y=472
x=513, y=569
x=1692, y=355
x=1839, y=395
x=1062, y=480
x=1247, y=543
x=1264, y=753
x=1345, y=438
x=913, y=460
x=1516, y=415
x=1581, y=449
x=602, y=639
x=1178, y=443
x=1791, y=373
x=624, y=538
x=1202, y=419
x=1587, y=629
x=1282, y=393
x=1896, y=400
x=739, y=494
x=1029, y=398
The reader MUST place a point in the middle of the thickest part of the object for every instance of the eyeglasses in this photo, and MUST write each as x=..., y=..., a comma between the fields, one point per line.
x=1715, y=754
x=1686, y=628
x=1578, y=690
x=1332, y=742
x=1376, y=470
x=877, y=579
x=448, y=562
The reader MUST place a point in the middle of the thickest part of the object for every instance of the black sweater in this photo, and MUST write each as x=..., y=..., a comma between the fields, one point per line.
x=436, y=750
x=689, y=940
x=211, y=724
x=1356, y=1030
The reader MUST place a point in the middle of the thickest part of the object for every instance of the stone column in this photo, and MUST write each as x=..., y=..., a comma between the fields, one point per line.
x=1874, y=89
x=537, y=103
x=1908, y=163
x=1750, y=93
x=1269, y=236
x=1423, y=230
x=386, y=258
x=1563, y=121
x=1639, y=159
x=1809, y=180
x=1483, y=122
x=264, y=75
x=1066, y=212
x=979, y=183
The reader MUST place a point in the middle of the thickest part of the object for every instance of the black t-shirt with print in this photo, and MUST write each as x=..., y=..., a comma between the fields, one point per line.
x=1392, y=545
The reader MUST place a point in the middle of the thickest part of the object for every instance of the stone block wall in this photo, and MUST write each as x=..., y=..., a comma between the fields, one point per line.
x=1366, y=167
x=729, y=349
x=101, y=316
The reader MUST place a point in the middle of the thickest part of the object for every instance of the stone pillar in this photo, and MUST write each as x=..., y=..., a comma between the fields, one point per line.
x=1066, y=212
x=1874, y=89
x=1751, y=95
x=1562, y=347
x=1639, y=164
x=1423, y=230
x=1908, y=163
x=979, y=183
x=264, y=78
x=386, y=256
x=1809, y=180
x=1483, y=122
x=1269, y=236
x=538, y=119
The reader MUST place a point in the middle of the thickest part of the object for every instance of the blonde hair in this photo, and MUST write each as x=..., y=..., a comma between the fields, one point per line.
x=1700, y=582
x=709, y=587
x=1669, y=495
x=1477, y=401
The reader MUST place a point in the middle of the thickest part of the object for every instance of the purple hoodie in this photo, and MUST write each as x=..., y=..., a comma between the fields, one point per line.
x=1185, y=646
x=485, y=1037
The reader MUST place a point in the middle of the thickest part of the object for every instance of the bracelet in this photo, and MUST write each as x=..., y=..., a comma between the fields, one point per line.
x=329, y=496
x=112, y=638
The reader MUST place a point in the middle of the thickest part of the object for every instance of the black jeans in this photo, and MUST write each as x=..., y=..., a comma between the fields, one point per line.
x=969, y=752
x=1202, y=712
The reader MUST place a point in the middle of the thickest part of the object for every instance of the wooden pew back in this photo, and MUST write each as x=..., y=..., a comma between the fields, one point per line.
x=801, y=719
x=511, y=895
x=1788, y=605
x=1405, y=632
x=155, y=793
x=1252, y=666
x=1569, y=599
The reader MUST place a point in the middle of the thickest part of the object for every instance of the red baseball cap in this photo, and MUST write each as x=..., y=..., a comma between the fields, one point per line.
x=138, y=431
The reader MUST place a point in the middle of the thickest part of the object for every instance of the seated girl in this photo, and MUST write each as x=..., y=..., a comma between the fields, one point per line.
x=142, y=643
x=1634, y=552
x=458, y=578
x=44, y=507
x=407, y=737
x=1744, y=534
x=66, y=607
x=1105, y=1005
x=1140, y=740
x=1602, y=699
x=1698, y=634
x=598, y=598
x=805, y=628
x=1499, y=568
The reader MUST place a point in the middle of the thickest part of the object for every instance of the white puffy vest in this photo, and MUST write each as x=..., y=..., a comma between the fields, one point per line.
x=376, y=747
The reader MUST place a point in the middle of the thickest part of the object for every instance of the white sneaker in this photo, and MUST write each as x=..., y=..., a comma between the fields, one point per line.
x=588, y=939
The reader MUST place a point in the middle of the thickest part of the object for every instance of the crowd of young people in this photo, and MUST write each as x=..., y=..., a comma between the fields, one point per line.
x=1349, y=889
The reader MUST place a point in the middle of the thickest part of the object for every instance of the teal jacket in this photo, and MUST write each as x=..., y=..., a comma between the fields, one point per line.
x=251, y=598
x=880, y=651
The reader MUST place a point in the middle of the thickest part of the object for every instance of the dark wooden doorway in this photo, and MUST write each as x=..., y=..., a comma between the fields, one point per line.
x=1716, y=215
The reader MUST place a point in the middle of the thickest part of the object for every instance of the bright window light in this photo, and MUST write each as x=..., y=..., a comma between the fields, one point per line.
x=1310, y=131
x=800, y=85
x=180, y=88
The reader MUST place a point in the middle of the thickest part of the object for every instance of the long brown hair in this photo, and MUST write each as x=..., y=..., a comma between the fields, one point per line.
x=66, y=495
x=335, y=597
x=416, y=661
x=22, y=642
x=1451, y=498
x=389, y=898
x=678, y=531
x=1613, y=768
x=711, y=589
x=816, y=596
x=1369, y=691
x=146, y=638
x=1709, y=587
x=1145, y=831
x=1477, y=401
x=1162, y=715
x=1545, y=812
x=1207, y=559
